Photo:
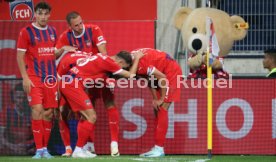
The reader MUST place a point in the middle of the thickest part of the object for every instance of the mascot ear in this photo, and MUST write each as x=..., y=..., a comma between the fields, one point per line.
x=181, y=16
x=239, y=27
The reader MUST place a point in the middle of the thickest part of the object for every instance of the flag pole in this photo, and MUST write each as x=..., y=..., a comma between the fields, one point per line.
x=209, y=93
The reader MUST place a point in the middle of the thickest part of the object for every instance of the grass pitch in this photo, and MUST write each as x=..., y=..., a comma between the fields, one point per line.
x=135, y=158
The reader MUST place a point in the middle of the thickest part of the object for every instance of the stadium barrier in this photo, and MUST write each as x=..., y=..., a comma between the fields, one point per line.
x=244, y=120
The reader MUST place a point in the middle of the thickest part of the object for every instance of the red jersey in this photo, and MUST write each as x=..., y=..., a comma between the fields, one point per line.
x=68, y=61
x=95, y=66
x=153, y=59
x=39, y=45
x=91, y=37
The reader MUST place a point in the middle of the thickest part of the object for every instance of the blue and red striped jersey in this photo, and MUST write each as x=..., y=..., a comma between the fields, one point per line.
x=39, y=45
x=91, y=37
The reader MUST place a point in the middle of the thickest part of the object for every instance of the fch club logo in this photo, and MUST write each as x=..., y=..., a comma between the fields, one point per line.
x=21, y=10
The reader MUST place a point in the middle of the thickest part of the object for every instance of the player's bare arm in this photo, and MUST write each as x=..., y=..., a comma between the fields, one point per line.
x=58, y=52
x=27, y=83
x=163, y=81
x=137, y=56
x=102, y=48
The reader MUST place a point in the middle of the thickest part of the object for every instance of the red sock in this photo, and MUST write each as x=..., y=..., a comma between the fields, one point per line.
x=162, y=127
x=92, y=136
x=47, y=131
x=113, y=116
x=37, y=128
x=64, y=132
x=84, y=130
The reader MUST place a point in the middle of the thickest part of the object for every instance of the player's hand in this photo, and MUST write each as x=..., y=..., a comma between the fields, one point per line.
x=139, y=54
x=69, y=48
x=27, y=84
x=157, y=103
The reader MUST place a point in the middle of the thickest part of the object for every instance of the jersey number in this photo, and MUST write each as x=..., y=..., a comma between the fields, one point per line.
x=84, y=61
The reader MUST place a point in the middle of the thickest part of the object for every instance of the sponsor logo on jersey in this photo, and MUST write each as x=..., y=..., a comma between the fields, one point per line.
x=46, y=50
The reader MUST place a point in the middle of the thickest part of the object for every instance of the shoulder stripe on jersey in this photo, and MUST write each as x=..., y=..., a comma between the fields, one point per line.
x=37, y=34
x=90, y=35
x=85, y=35
x=49, y=65
x=52, y=31
x=43, y=72
x=36, y=67
x=55, y=33
x=80, y=43
x=69, y=36
x=45, y=37
x=31, y=34
x=49, y=31
x=168, y=57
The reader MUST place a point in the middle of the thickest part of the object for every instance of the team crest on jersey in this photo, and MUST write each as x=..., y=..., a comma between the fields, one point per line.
x=88, y=43
x=52, y=37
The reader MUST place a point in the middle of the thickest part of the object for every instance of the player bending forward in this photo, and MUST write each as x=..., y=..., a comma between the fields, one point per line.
x=73, y=89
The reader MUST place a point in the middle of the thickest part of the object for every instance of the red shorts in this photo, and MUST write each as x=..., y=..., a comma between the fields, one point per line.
x=173, y=73
x=62, y=101
x=103, y=92
x=41, y=94
x=76, y=96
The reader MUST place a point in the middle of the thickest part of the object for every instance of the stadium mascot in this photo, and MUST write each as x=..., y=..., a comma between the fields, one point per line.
x=226, y=29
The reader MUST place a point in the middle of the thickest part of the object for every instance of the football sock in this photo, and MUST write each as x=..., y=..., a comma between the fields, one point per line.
x=84, y=130
x=162, y=127
x=47, y=131
x=37, y=128
x=113, y=117
x=64, y=132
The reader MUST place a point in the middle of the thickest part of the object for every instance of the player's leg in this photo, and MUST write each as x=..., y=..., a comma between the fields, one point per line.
x=35, y=101
x=63, y=112
x=113, y=120
x=85, y=127
x=172, y=95
x=80, y=102
x=160, y=132
x=50, y=102
x=94, y=94
x=38, y=129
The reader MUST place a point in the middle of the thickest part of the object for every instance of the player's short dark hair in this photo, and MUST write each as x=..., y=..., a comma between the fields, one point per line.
x=125, y=55
x=272, y=53
x=43, y=5
x=71, y=15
